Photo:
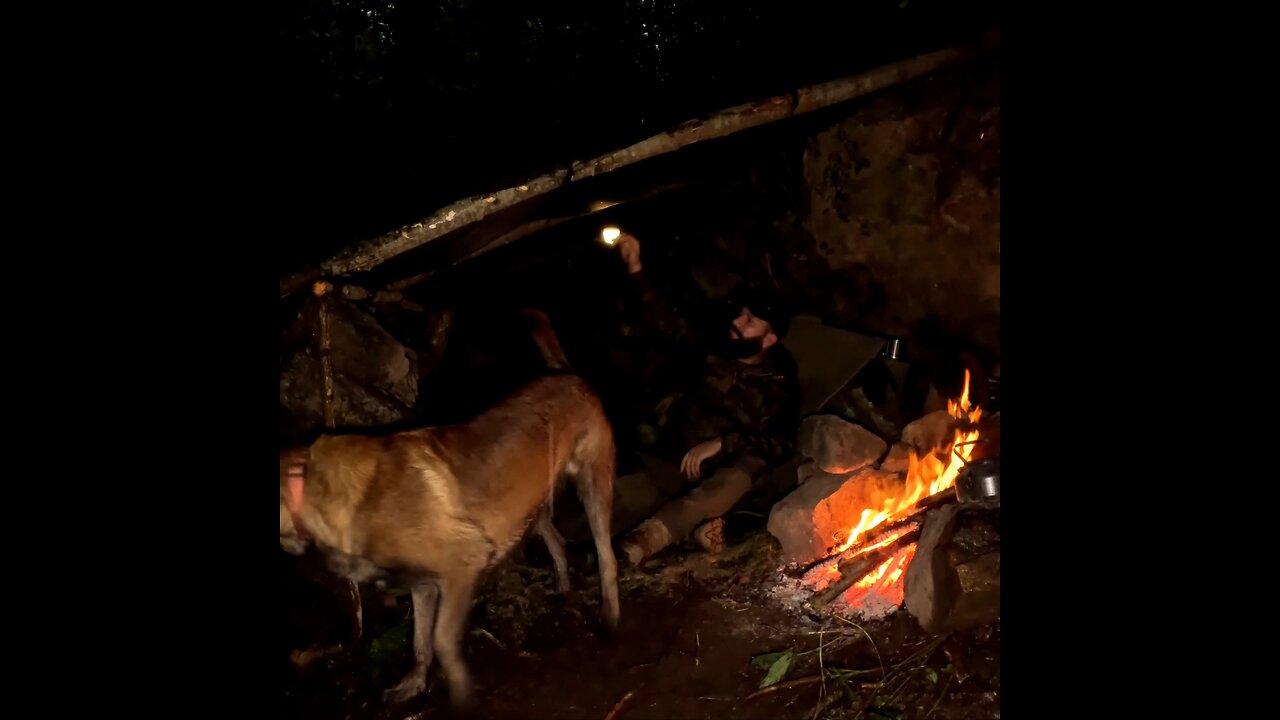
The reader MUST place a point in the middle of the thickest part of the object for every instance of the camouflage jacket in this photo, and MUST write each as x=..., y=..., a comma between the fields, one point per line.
x=754, y=409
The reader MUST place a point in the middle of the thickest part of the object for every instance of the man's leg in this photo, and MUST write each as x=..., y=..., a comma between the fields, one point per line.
x=675, y=520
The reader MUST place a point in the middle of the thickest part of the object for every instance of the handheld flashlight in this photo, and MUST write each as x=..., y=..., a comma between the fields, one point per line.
x=609, y=235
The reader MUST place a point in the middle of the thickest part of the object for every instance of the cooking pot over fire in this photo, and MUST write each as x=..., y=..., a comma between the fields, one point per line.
x=979, y=480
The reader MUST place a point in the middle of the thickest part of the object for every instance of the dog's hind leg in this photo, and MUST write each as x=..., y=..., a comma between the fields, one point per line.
x=595, y=489
x=555, y=546
x=457, y=590
x=426, y=594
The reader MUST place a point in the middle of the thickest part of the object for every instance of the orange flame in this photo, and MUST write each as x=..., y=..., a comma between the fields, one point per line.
x=926, y=476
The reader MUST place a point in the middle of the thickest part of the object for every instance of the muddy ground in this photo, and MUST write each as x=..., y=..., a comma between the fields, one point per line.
x=691, y=626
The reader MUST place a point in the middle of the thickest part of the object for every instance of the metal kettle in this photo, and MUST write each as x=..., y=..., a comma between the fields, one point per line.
x=979, y=480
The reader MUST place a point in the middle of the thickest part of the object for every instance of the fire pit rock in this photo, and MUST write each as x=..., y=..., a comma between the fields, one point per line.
x=953, y=582
x=931, y=433
x=806, y=521
x=898, y=459
x=837, y=445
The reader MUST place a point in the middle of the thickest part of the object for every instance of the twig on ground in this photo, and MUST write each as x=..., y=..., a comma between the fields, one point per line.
x=495, y=641
x=940, y=696
x=617, y=709
x=798, y=682
x=873, y=642
x=822, y=687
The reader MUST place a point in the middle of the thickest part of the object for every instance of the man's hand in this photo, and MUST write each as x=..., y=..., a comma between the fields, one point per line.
x=629, y=249
x=691, y=465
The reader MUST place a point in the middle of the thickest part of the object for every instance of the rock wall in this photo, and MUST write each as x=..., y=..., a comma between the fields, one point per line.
x=904, y=203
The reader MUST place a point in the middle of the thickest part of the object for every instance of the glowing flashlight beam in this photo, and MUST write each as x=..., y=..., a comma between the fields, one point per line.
x=610, y=235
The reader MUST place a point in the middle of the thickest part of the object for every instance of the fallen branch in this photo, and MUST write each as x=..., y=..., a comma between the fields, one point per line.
x=530, y=228
x=372, y=253
x=366, y=255
x=855, y=568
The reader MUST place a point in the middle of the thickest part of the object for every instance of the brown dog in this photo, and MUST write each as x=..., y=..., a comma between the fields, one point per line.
x=436, y=507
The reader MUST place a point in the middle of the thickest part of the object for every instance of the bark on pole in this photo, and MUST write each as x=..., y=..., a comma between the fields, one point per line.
x=321, y=289
x=366, y=255
x=371, y=253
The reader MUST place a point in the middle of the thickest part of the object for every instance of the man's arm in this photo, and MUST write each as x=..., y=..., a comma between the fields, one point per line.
x=653, y=309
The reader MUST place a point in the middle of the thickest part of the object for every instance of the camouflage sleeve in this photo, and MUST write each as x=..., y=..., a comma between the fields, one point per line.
x=772, y=437
x=653, y=311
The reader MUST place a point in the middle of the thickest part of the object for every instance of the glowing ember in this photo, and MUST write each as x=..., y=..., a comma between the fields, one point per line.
x=882, y=590
x=884, y=584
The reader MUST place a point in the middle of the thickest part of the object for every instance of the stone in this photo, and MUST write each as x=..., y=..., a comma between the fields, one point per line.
x=931, y=433
x=953, y=582
x=362, y=350
x=375, y=377
x=302, y=390
x=898, y=459
x=907, y=179
x=808, y=521
x=837, y=445
x=806, y=470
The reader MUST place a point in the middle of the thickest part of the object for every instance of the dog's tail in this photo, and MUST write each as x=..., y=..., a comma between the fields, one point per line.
x=545, y=338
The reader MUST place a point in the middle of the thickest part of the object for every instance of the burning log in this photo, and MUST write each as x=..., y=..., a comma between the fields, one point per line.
x=933, y=501
x=936, y=500
x=855, y=568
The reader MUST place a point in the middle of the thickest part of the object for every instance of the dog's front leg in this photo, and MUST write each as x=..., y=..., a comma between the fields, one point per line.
x=425, y=598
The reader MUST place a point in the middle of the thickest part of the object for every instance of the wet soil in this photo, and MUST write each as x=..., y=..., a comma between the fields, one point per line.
x=691, y=626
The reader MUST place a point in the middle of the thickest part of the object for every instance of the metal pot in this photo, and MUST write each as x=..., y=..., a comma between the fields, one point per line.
x=892, y=349
x=979, y=480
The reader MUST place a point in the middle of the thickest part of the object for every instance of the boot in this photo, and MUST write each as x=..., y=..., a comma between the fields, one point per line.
x=646, y=540
x=710, y=535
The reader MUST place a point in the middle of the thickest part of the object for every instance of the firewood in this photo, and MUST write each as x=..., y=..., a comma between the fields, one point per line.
x=916, y=517
x=855, y=568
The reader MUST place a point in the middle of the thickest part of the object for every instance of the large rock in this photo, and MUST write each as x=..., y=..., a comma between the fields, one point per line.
x=362, y=350
x=354, y=405
x=838, y=446
x=808, y=521
x=899, y=458
x=953, y=582
x=375, y=378
x=931, y=433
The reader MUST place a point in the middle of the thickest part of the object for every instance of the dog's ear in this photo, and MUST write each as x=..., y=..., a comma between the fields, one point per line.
x=544, y=336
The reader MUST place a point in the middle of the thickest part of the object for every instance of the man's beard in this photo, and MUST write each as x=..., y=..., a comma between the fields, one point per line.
x=739, y=348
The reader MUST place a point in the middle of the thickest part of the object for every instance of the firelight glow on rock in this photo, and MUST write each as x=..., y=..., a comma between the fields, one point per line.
x=881, y=590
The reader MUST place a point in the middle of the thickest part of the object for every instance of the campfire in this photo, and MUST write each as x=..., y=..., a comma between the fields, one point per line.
x=866, y=566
